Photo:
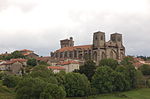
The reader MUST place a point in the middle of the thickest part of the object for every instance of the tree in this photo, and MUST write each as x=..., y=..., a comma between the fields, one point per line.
x=43, y=73
x=127, y=61
x=60, y=78
x=109, y=62
x=30, y=88
x=88, y=69
x=54, y=91
x=32, y=62
x=145, y=69
x=120, y=83
x=132, y=75
x=10, y=81
x=17, y=54
x=103, y=79
x=124, y=72
x=76, y=85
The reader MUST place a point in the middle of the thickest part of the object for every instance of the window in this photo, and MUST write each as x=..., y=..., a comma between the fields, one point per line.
x=102, y=38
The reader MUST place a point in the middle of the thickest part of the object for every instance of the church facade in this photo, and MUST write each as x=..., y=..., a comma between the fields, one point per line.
x=100, y=49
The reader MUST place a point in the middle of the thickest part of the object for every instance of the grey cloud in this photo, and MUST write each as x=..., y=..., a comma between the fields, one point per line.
x=134, y=27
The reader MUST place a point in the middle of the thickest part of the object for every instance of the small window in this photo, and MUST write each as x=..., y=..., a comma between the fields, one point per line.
x=96, y=38
x=102, y=38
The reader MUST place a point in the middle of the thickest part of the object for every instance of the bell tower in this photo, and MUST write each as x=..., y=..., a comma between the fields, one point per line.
x=98, y=40
x=117, y=38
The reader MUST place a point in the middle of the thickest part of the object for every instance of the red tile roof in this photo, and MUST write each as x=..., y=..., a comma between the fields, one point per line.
x=26, y=50
x=56, y=67
x=8, y=63
x=74, y=48
x=25, y=54
x=68, y=62
x=137, y=64
x=19, y=60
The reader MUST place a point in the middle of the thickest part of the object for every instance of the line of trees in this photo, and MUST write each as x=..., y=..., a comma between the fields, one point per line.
x=90, y=79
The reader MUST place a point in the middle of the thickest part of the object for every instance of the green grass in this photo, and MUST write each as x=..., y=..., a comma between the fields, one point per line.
x=134, y=94
x=6, y=93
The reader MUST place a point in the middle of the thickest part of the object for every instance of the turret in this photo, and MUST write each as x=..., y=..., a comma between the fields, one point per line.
x=117, y=38
x=67, y=42
x=98, y=40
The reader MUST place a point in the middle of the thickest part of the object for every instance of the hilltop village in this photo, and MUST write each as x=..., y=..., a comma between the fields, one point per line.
x=69, y=57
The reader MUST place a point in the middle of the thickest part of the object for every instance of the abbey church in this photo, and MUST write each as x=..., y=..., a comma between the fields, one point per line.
x=100, y=49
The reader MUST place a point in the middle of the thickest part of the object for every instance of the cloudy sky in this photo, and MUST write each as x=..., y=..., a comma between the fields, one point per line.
x=40, y=24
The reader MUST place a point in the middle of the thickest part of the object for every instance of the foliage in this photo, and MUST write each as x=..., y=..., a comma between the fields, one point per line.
x=30, y=88
x=88, y=69
x=109, y=62
x=103, y=80
x=127, y=61
x=76, y=85
x=10, y=80
x=17, y=54
x=120, y=83
x=54, y=91
x=43, y=73
x=2, y=74
x=123, y=70
x=132, y=75
x=145, y=69
x=140, y=81
x=60, y=77
x=42, y=63
x=32, y=62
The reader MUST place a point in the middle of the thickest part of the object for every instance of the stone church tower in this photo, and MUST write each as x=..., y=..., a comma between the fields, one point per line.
x=111, y=49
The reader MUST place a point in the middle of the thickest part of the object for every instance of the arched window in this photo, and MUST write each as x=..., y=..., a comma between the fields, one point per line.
x=103, y=55
x=113, y=54
x=95, y=56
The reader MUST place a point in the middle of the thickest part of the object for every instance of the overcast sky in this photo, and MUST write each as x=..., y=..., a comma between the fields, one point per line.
x=39, y=24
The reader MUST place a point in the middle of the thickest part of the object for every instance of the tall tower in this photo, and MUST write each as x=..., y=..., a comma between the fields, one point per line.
x=98, y=40
x=67, y=42
x=117, y=38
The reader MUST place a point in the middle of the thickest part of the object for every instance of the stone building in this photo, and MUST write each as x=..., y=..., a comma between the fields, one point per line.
x=100, y=49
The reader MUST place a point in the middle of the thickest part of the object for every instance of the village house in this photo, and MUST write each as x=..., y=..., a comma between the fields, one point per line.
x=28, y=53
x=70, y=65
x=14, y=66
x=56, y=69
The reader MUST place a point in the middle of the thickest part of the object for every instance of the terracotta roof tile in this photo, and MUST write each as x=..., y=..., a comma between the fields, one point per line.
x=19, y=60
x=68, y=62
x=26, y=50
x=74, y=48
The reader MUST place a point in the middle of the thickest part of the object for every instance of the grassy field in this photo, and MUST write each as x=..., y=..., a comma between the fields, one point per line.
x=134, y=94
x=6, y=93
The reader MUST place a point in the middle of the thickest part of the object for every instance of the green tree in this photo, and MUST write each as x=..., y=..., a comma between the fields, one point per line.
x=54, y=91
x=17, y=54
x=132, y=75
x=127, y=61
x=103, y=79
x=32, y=62
x=120, y=83
x=43, y=73
x=10, y=80
x=123, y=70
x=30, y=88
x=88, y=69
x=145, y=69
x=76, y=85
x=60, y=77
x=109, y=62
